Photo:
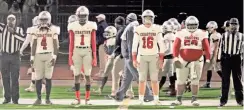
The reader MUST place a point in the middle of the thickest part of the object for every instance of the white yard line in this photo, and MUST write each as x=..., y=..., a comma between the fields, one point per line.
x=125, y=104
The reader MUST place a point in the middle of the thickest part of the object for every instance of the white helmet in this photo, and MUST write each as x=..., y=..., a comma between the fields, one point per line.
x=109, y=32
x=44, y=18
x=173, y=20
x=35, y=21
x=148, y=17
x=167, y=27
x=72, y=18
x=192, y=23
x=82, y=13
x=211, y=26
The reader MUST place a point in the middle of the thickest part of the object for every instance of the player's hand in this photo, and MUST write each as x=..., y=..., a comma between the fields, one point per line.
x=11, y=30
x=52, y=62
x=160, y=64
x=177, y=64
x=135, y=64
x=94, y=62
x=72, y=68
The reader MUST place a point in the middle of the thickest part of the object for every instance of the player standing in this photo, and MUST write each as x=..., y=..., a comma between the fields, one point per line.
x=82, y=50
x=212, y=26
x=167, y=70
x=147, y=37
x=188, y=57
x=44, y=52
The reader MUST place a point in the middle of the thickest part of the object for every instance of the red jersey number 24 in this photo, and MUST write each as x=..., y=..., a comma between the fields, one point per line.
x=190, y=42
x=147, y=42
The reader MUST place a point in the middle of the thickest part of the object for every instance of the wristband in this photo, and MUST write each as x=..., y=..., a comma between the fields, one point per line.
x=32, y=58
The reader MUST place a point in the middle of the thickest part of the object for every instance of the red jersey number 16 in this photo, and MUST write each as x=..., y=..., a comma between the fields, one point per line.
x=147, y=42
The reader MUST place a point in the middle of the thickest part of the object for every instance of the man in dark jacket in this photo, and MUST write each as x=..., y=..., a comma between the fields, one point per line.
x=101, y=25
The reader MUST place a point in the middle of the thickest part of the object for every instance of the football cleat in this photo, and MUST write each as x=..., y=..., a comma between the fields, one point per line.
x=75, y=102
x=37, y=102
x=157, y=102
x=31, y=88
x=195, y=103
x=176, y=103
x=87, y=102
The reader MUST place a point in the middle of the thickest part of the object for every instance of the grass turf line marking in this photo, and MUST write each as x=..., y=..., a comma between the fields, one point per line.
x=124, y=105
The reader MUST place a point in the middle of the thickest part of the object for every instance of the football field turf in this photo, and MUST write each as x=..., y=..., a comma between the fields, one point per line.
x=62, y=99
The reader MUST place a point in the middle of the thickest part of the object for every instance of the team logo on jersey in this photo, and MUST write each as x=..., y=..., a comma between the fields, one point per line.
x=148, y=34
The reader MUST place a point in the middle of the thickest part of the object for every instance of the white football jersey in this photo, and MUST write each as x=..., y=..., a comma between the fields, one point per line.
x=147, y=40
x=45, y=45
x=191, y=40
x=212, y=39
x=169, y=40
x=82, y=33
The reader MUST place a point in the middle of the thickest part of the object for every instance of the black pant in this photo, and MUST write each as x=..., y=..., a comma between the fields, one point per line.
x=231, y=64
x=10, y=75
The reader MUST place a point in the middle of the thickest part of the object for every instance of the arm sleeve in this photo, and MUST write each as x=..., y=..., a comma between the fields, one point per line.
x=26, y=42
x=20, y=34
x=71, y=46
x=93, y=43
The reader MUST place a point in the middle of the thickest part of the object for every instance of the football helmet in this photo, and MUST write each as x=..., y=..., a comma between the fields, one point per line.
x=82, y=13
x=72, y=18
x=130, y=18
x=35, y=21
x=11, y=20
x=148, y=17
x=173, y=20
x=109, y=32
x=192, y=23
x=234, y=24
x=211, y=26
x=167, y=27
x=44, y=18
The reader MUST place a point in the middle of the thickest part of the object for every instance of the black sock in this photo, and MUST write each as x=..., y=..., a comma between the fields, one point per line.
x=179, y=98
x=193, y=98
x=33, y=81
x=88, y=87
x=162, y=81
x=209, y=76
x=120, y=80
x=220, y=74
x=48, y=88
x=172, y=80
x=104, y=81
x=38, y=89
x=77, y=86
x=175, y=75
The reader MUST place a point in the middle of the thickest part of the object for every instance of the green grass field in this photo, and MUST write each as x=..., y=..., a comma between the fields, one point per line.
x=61, y=93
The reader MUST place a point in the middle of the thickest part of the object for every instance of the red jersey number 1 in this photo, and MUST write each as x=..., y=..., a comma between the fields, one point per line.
x=82, y=40
x=148, y=42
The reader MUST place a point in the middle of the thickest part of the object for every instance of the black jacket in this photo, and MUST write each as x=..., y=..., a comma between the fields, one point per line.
x=117, y=50
x=99, y=34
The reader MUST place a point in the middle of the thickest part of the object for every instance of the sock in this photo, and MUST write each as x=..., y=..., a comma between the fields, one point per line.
x=77, y=91
x=156, y=97
x=33, y=81
x=193, y=98
x=219, y=73
x=172, y=80
x=175, y=75
x=48, y=88
x=104, y=81
x=87, y=96
x=38, y=89
x=120, y=81
x=179, y=98
x=141, y=97
x=162, y=81
x=209, y=76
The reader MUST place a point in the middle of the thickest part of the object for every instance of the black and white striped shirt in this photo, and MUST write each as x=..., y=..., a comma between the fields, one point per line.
x=231, y=44
x=11, y=43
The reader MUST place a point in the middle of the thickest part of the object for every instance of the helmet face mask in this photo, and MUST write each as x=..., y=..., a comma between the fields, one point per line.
x=192, y=23
x=83, y=18
x=110, y=32
x=44, y=19
x=148, y=19
x=167, y=27
x=82, y=13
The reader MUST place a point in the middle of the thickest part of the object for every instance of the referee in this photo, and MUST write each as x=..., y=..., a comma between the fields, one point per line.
x=11, y=40
x=230, y=56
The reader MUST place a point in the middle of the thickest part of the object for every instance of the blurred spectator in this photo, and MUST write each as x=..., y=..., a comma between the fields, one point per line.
x=3, y=11
x=49, y=6
x=45, y=5
x=15, y=10
x=101, y=25
x=21, y=3
x=29, y=11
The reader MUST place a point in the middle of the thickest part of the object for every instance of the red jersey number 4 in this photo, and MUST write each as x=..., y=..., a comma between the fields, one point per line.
x=44, y=43
x=147, y=42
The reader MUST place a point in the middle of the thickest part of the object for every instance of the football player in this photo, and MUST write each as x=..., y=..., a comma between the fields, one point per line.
x=188, y=58
x=82, y=50
x=212, y=26
x=44, y=52
x=148, y=58
x=169, y=38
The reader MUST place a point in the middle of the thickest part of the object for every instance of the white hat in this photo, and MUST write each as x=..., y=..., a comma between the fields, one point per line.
x=102, y=16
